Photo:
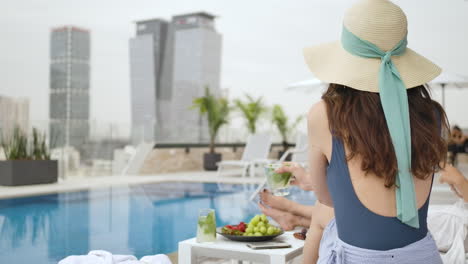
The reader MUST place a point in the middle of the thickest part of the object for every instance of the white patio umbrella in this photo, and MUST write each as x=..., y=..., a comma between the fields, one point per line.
x=449, y=80
x=444, y=80
x=306, y=85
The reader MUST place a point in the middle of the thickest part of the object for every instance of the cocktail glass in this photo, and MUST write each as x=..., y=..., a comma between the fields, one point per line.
x=206, y=227
x=277, y=182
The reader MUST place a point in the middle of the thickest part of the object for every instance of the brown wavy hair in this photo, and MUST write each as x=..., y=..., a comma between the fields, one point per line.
x=357, y=118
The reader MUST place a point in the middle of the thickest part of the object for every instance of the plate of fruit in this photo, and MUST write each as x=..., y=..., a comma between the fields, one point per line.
x=258, y=229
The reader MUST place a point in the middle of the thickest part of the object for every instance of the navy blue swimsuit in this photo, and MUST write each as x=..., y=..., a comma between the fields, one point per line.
x=356, y=224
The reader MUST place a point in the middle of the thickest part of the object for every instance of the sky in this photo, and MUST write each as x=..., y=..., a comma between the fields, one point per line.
x=261, y=55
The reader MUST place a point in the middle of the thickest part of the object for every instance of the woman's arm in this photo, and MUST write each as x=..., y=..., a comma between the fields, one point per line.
x=315, y=179
x=455, y=178
x=319, y=139
x=322, y=216
x=312, y=243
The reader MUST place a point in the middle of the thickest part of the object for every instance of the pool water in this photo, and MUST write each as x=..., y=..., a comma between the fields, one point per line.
x=137, y=220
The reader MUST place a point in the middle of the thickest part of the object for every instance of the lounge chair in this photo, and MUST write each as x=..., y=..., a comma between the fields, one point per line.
x=138, y=159
x=299, y=153
x=255, y=152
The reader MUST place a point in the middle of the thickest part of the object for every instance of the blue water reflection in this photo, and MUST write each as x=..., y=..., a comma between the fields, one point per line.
x=138, y=220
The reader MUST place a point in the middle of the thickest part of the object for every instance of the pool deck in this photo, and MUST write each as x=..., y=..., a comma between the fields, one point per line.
x=86, y=183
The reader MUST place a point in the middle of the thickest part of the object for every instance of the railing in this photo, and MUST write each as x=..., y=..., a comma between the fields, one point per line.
x=105, y=148
x=188, y=146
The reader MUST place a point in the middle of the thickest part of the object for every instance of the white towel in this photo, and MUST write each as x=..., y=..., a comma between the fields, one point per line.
x=156, y=259
x=449, y=227
x=104, y=257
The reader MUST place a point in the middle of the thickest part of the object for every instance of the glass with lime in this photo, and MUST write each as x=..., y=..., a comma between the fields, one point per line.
x=277, y=182
x=206, y=227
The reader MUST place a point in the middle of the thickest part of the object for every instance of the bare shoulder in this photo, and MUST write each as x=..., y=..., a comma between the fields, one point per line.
x=317, y=112
x=317, y=120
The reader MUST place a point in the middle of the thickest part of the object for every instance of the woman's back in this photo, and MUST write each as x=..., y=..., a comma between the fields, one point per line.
x=365, y=209
x=364, y=203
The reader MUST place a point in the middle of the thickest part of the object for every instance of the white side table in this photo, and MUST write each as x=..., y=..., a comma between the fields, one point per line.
x=224, y=248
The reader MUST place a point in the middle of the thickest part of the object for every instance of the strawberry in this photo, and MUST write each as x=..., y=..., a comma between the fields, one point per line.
x=240, y=227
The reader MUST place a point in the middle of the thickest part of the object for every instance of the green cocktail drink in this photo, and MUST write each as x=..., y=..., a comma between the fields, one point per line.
x=206, y=227
x=278, y=182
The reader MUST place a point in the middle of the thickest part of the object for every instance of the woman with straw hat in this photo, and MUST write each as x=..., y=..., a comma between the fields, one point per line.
x=374, y=141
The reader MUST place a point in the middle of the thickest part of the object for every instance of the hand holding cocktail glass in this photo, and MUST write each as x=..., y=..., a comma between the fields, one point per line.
x=299, y=175
x=277, y=182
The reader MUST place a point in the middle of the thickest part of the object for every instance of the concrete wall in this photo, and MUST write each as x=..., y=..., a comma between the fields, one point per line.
x=176, y=160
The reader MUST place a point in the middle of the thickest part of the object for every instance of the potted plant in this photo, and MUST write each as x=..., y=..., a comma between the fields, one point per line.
x=27, y=162
x=217, y=113
x=251, y=109
x=282, y=123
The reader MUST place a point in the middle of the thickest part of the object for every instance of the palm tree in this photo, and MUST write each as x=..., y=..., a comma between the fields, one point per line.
x=252, y=109
x=217, y=112
x=281, y=121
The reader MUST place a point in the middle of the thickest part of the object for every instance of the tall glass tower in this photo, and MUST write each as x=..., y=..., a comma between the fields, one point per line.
x=196, y=65
x=171, y=63
x=147, y=54
x=69, y=86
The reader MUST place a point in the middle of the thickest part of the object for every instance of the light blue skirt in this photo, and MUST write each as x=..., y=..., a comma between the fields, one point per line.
x=333, y=250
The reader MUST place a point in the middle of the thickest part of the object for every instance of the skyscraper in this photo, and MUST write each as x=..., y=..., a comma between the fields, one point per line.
x=146, y=65
x=69, y=86
x=171, y=64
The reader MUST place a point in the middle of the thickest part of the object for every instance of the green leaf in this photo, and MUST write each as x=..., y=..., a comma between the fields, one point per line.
x=216, y=111
x=18, y=146
x=252, y=109
x=282, y=122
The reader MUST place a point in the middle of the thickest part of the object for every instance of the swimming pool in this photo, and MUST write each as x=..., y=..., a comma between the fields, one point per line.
x=137, y=220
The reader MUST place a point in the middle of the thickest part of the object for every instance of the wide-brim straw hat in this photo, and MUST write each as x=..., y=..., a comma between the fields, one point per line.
x=384, y=24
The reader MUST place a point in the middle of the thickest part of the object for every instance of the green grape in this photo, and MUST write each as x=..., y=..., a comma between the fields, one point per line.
x=256, y=229
x=245, y=234
x=258, y=234
x=270, y=230
x=249, y=229
x=255, y=220
x=263, y=230
x=263, y=217
x=260, y=224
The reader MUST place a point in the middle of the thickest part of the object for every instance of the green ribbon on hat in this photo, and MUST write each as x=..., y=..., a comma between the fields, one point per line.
x=394, y=101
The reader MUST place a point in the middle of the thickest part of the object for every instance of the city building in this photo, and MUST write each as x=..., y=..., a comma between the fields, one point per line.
x=15, y=113
x=147, y=52
x=69, y=86
x=171, y=64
